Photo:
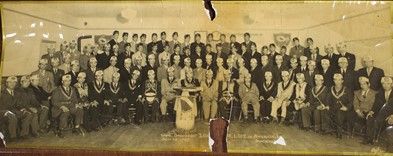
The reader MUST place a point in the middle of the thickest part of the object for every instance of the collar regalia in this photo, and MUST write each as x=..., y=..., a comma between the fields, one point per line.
x=114, y=90
x=316, y=93
x=99, y=90
x=339, y=93
x=67, y=95
x=267, y=88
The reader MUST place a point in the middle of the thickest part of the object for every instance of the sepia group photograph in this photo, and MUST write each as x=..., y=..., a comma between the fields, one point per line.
x=196, y=77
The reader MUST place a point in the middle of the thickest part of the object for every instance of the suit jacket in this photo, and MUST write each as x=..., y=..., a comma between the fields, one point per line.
x=248, y=56
x=150, y=46
x=310, y=77
x=333, y=59
x=380, y=101
x=225, y=47
x=296, y=51
x=327, y=76
x=57, y=76
x=28, y=98
x=40, y=95
x=363, y=103
x=133, y=90
x=375, y=77
x=11, y=103
x=97, y=93
x=193, y=46
x=90, y=75
x=248, y=45
x=103, y=60
x=343, y=96
x=74, y=77
x=161, y=45
x=351, y=60
x=350, y=79
x=125, y=75
x=320, y=96
x=47, y=81
x=114, y=94
x=237, y=45
x=60, y=97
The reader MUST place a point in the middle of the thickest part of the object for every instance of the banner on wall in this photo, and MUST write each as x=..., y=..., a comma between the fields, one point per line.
x=282, y=39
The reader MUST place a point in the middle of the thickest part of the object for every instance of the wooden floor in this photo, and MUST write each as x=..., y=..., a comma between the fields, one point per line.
x=242, y=137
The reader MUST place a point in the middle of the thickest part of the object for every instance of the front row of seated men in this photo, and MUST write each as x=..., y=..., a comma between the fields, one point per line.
x=93, y=105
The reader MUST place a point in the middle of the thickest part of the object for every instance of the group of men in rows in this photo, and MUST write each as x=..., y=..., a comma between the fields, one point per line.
x=135, y=82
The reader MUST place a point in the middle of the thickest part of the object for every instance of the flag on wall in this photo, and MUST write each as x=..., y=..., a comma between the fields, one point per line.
x=281, y=39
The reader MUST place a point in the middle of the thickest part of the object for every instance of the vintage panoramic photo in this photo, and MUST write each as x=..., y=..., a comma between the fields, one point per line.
x=295, y=77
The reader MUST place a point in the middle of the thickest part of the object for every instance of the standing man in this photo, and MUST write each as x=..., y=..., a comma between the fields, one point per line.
x=349, y=75
x=113, y=41
x=162, y=43
x=234, y=43
x=374, y=74
x=174, y=42
x=331, y=56
x=123, y=43
x=225, y=45
x=46, y=77
x=57, y=73
x=152, y=43
x=247, y=42
x=343, y=52
x=297, y=50
x=196, y=43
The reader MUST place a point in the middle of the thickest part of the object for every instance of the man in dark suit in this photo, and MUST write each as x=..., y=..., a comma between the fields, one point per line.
x=307, y=50
x=247, y=42
x=315, y=56
x=90, y=72
x=14, y=110
x=343, y=52
x=152, y=43
x=162, y=43
x=327, y=72
x=226, y=48
x=103, y=58
x=382, y=108
x=331, y=56
x=198, y=42
x=50, y=55
x=125, y=71
x=113, y=41
x=234, y=43
x=297, y=50
x=74, y=72
x=252, y=54
x=285, y=57
x=57, y=73
x=310, y=73
x=349, y=75
x=374, y=74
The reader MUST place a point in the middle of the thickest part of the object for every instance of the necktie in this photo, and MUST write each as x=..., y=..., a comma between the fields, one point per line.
x=12, y=92
x=55, y=70
x=386, y=96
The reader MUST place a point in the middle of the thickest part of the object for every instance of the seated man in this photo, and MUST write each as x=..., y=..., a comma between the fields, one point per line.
x=382, y=108
x=65, y=99
x=228, y=97
x=43, y=98
x=30, y=103
x=167, y=91
x=151, y=97
x=320, y=105
x=133, y=92
x=341, y=103
x=363, y=102
x=209, y=96
x=249, y=94
x=115, y=97
x=300, y=99
x=284, y=92
x=13, y=110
